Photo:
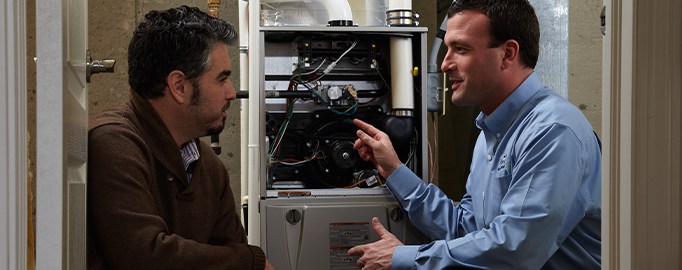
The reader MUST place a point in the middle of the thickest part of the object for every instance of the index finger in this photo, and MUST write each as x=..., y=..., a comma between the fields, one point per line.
x=356, y=251
x=369, y=129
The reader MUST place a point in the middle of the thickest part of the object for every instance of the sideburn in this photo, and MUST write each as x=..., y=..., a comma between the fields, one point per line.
x=195, y=100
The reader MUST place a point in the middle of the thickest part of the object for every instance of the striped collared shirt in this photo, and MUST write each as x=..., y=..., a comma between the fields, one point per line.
x=190, y=154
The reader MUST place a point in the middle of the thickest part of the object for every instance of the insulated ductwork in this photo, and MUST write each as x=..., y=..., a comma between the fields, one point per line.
x=338, y=10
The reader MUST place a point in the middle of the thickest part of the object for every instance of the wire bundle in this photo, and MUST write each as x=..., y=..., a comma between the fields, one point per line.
x=295, y=81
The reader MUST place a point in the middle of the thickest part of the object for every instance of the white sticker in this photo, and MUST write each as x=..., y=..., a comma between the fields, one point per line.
x=371, y=181
x=342, y=237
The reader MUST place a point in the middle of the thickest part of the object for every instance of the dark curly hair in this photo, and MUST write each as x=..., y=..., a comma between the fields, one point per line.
x=509, y=19
x=174, y=39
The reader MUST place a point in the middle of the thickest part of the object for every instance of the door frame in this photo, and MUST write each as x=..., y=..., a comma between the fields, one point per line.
x=13, y=141
x=641, y=190
x=616, y=180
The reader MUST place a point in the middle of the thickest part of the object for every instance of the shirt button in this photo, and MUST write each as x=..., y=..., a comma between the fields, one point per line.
x=170, y=177
x=498, y=135
x=489, y=157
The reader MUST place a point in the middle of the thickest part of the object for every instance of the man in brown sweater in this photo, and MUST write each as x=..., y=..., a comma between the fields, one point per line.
x=158, y=197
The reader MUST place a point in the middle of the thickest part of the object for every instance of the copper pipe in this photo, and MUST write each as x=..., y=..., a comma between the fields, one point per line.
x=213, y=6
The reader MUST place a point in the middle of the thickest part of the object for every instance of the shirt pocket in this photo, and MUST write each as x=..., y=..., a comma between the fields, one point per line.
x=494, y=195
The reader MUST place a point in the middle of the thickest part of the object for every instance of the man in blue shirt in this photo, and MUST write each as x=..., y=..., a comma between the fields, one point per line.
x=533, y=196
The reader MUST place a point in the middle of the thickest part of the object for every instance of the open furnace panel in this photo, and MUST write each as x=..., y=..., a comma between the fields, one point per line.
x=325, y=79
x=318, y=196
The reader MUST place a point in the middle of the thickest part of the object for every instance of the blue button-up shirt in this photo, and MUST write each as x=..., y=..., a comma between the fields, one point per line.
x=533, y=196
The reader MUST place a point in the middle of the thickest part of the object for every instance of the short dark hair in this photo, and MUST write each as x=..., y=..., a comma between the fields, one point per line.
x=509, y=19
x=174, y=39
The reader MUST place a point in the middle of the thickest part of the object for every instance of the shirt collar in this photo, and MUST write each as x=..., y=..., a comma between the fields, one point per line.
x=502, y=118
x=158, y=137
x=190, y=153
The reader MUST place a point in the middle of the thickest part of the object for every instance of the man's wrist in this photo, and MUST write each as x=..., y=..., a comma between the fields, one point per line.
x=403, y=257
x=389, y=170
x=393, y=172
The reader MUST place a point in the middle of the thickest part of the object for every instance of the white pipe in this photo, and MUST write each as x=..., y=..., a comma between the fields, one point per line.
x=254, y=164
x=339, y=10
x=402, y=82
x=399, y=4
x=244, y=86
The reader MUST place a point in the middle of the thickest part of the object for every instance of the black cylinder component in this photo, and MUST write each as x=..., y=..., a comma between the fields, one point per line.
x=215, y=144
x=340, y=23
x=342, y=160
x=400, y=130
x=343, y=155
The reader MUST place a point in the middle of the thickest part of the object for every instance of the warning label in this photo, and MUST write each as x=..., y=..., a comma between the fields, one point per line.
x=342, y=237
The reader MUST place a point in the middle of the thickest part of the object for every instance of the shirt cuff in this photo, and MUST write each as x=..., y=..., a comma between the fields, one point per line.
x=402, y=181
x=403, y=257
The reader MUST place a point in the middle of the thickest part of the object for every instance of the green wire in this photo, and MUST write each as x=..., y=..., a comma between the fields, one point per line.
x=281, y=128
x=280, y=133
x=382, y=77
x=356, y=104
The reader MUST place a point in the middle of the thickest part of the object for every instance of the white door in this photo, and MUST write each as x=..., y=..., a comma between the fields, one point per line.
x=62, y=40
x=13, y=152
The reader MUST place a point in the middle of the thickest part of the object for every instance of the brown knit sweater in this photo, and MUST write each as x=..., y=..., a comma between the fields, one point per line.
x=142, y=214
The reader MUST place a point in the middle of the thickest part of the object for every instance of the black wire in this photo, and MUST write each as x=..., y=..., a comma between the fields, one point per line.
x=294, y=133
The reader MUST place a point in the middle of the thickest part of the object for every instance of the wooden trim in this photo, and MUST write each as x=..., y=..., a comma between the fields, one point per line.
x=625, y=137
x=655, y=134
x=611, y=121
x=642, y=122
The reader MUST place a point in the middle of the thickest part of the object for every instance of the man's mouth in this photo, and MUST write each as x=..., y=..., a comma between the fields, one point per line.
x=225, y=108
x=456, y=83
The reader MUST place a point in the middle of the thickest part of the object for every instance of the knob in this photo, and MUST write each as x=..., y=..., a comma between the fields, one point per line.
x=98, y=66
x=293, y=216
x=396, y=214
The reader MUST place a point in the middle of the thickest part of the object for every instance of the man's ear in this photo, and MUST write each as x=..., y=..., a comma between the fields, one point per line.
x=177, y=86
x=511, y=53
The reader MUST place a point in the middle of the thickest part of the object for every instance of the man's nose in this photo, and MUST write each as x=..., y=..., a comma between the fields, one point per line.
x=448, y=64
x=445, y=66
x=230, y=93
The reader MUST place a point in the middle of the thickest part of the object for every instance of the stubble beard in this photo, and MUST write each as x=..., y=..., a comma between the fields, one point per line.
x=215, y=130
x=203, y=121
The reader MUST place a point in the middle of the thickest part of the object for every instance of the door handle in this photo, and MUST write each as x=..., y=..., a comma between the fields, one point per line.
x=98, y=66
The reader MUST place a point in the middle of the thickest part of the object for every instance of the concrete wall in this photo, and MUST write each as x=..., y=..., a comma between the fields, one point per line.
x=585, y=59
x=111, y=24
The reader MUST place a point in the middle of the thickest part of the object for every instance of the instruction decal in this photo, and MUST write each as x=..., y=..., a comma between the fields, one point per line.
x=342, y=237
